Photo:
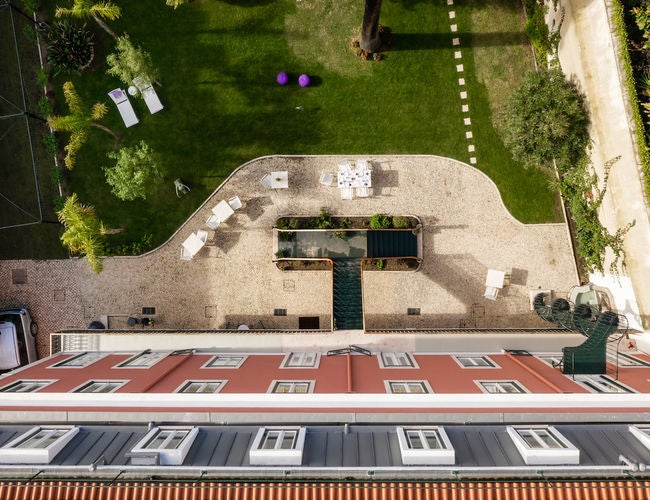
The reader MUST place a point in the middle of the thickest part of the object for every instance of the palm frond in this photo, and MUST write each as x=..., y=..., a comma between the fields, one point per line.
x=72, y=98
x=106, y=10
x=98, y=111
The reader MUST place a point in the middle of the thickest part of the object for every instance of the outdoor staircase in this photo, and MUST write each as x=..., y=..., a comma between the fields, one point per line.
x=348, y=313
x=590, y=357
x=382, y=244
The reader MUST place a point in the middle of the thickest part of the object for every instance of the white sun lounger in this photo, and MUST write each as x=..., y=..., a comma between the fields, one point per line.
x=148, y=94
x=121, y=99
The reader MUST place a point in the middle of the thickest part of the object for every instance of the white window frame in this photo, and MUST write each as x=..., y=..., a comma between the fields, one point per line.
x=472, y=366
x=12, y=453
x=150, y=359
x=84, y=359
x=384, y=359
x=642, y=433
x=301, y=360
x=424, y=383
x=204, y=383
x=568, y=454
x=551, y=358
x=292, y=384
x=277, y=456
x=499, y=383
x=27, y=382
x=166, y=456
x=598, y=384
x=118, y=384
x=445, y=455
x=208, y=364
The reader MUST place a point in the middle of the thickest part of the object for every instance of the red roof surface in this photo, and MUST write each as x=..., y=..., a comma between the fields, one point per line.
x=497, y=490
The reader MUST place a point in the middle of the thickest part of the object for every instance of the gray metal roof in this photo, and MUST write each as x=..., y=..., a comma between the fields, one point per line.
x=335, y=450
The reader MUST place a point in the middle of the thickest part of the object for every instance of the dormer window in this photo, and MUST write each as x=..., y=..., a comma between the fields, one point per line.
x=164, y=446
x=543, y=446
x=278, y=446
x=39, y=445
x=425, y=446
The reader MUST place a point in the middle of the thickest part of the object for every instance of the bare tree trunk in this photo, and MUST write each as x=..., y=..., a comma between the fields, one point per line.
x=370, y=41
x=105, y=26
x=106, y=129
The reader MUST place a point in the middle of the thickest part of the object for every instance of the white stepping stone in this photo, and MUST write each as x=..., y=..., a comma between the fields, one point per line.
x=465, y=108
x=467, y=121
x=452, y=15
x=461, y=81
x=458, y=54
x=468, y=134
x=463, y=95
x=470, y=148
x=459, y=68
x=455, y=41
x=454, y=28
x=472, y=160
x=450, y=2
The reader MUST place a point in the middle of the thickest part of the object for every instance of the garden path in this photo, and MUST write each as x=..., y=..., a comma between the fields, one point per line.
x=588, y=54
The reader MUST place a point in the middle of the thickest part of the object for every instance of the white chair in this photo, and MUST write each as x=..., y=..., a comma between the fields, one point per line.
x=362, y=164
x=121, y=99
x=235, y=202
x=180, y=187
x=346, y=194
x=345, y=166
x=148, y=94
x=203, y=235
x=266, y=181
x=326, y=178
x=213, y=222
x=362, y=192
x=491, y=292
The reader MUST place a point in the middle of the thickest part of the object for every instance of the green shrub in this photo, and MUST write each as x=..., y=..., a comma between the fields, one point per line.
x=294, y=223
x=56, y=175
x=45, y=106
x=51, y=146
x=282, y=253
x=340, y=234
x=286, y=235
x=345, y=223
x=536, y=30
x=380, y=264
x=70, y=48
x=281, y=223
x=59, y=201
x=324, y=220
x=401, y=222
x=380, y=221
x=32, y=6
x=42, y=77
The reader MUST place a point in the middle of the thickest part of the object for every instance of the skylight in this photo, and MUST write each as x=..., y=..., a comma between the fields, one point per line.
x=39, y=445
x=425, y=446
x=543, y=446
x=278, y=446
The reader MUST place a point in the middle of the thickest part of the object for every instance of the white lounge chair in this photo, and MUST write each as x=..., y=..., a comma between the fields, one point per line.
x=180, y=187
x=362, y=164
x=345, y=166
x=266, y=181
x=148, y=94
x=121, y=99
x=235, y=203
x=203, y=235
x=362, y=192
x=491, y=292
x=326, y=178
x=346, y=193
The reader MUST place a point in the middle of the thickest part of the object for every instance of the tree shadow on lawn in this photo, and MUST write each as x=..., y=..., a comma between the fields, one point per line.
x=434, y=41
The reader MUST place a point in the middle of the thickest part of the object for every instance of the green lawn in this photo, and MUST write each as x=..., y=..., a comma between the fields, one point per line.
x=218, y=62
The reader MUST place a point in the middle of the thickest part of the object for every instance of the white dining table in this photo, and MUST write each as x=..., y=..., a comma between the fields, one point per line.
x=193, y=244
x=280, y=180
x=223, y=211
x=356, y=178
x=495, y=278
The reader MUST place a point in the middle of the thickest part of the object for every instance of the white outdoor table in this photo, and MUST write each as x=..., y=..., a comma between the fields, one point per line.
x=354, y=179
x=193, y=244
x=223, y=210
x=495, y=278
x=279, y=180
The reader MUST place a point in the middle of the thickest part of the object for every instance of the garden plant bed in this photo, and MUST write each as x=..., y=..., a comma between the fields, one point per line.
x=326, y=221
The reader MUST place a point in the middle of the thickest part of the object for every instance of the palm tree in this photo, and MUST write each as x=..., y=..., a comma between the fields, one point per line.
x=96, y=10
x=84, y=232
x=78, y=122
x=369, y=40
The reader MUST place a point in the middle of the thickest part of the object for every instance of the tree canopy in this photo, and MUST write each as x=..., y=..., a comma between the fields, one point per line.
x=84, y=232
x=129, y=62
x=545, y=119
x=135, y=172
x=96, y=10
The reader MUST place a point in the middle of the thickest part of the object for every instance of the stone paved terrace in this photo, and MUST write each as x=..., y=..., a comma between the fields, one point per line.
x=231, y=281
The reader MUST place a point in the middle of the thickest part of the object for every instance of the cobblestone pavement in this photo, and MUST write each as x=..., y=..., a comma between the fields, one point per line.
x=232, y=280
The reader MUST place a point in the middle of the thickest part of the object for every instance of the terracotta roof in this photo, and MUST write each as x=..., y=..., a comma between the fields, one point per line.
x=552, y=490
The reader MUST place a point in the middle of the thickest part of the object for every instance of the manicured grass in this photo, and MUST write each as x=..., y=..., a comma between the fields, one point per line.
x=218, y=63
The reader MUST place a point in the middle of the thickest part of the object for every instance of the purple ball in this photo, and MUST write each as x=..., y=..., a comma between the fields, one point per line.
x=303, y=80
x=282, y=78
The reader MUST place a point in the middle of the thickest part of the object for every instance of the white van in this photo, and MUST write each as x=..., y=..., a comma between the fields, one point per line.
x=17, y=339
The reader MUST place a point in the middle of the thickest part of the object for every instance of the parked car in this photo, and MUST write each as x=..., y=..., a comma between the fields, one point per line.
x=17, y=339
